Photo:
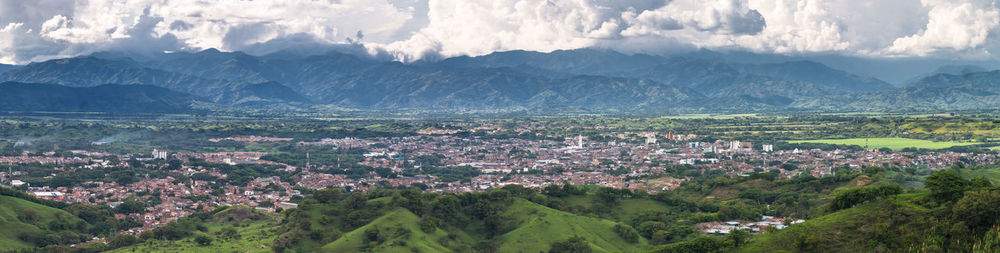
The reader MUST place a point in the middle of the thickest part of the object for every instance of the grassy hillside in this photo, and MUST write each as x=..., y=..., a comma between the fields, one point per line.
x=539, y=227
x=864, y=211
x=396, y=231
x=957, y=213
x=19, y=216
x=884, y=226
x=233, y=229
x=536, y=228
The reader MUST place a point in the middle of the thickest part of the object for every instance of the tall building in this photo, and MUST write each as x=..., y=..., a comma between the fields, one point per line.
x=579, y=141
x=768, y=148
x=159, y=154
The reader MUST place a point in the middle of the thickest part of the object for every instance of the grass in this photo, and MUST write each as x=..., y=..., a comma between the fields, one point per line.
x=535, y=229
x=540, y=226
x=11, y=226
x=891, y=143
x=255, y=236
x=856, y=229
x=989, y=173
x=401, y=232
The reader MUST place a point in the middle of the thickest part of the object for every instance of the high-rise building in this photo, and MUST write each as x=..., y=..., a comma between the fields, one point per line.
x=159, y=154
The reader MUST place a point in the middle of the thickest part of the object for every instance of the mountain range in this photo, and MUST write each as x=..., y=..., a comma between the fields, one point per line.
x=583, y=80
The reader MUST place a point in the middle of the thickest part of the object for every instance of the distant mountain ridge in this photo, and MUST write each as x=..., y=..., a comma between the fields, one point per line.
x=104, y=98
x=5, y=68
x=583, y=80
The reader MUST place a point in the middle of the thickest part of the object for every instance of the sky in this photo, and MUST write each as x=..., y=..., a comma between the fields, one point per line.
x=411, y=30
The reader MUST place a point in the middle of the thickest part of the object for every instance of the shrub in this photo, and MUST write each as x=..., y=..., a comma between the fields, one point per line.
x=203, y=240
x=700, y=244
x=854, y=196
x=627, y=232
x=574, y=244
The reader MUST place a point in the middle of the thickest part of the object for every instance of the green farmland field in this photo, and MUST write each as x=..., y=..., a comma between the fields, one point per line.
x=891, y=143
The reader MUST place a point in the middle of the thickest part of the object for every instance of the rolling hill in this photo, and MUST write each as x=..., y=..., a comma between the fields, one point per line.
x=19, y=216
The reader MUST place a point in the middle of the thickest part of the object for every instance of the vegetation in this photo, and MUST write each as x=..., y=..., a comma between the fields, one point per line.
x=226, y=229
x=890, y=143
x=29, y=225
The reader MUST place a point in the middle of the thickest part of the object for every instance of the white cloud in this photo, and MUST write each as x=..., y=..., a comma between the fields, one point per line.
x=952, y=25
x=85, y=26
x=429, y=29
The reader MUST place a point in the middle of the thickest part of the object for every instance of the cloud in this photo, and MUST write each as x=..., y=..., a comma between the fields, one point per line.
x=69, y=28
x=952, y=26
x=461, y=27
x=411, y=30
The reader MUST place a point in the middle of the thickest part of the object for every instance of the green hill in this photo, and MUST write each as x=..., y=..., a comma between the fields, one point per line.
x=882, y=226
x=231, y=229
x=396, y=231
x=865, y=211
x=19, y=217
x=539, y=227
x=955, y=214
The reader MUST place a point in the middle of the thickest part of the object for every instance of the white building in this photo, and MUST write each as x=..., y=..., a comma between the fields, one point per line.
x=159, y=154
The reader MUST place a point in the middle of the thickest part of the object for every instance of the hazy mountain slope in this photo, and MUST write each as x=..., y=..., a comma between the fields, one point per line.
x=579, y=61
x=5, y=68
x=813, y=72
x=104, y=98
x=957, y=70
x=985, y=80
x=259, y=94
x=395, y=85
x=92, y=71
x=591, y=80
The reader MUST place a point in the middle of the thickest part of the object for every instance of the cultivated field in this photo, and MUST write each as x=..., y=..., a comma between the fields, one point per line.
x=891, y=143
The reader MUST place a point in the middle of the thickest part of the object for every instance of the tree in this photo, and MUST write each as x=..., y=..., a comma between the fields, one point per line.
x=980, y=182
x=660, y=237
x=946, y=186
x=327, y=195
x=627, y=233
x=648, y=228
x=229, y=232
x=978, y=208
x=131, y=206
x=737, y=237
x=553, y=190
x=700, y=244
x=854, y=196
x=123, y=240
x=203, y=240
x=357, y=201
x=574, y=244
